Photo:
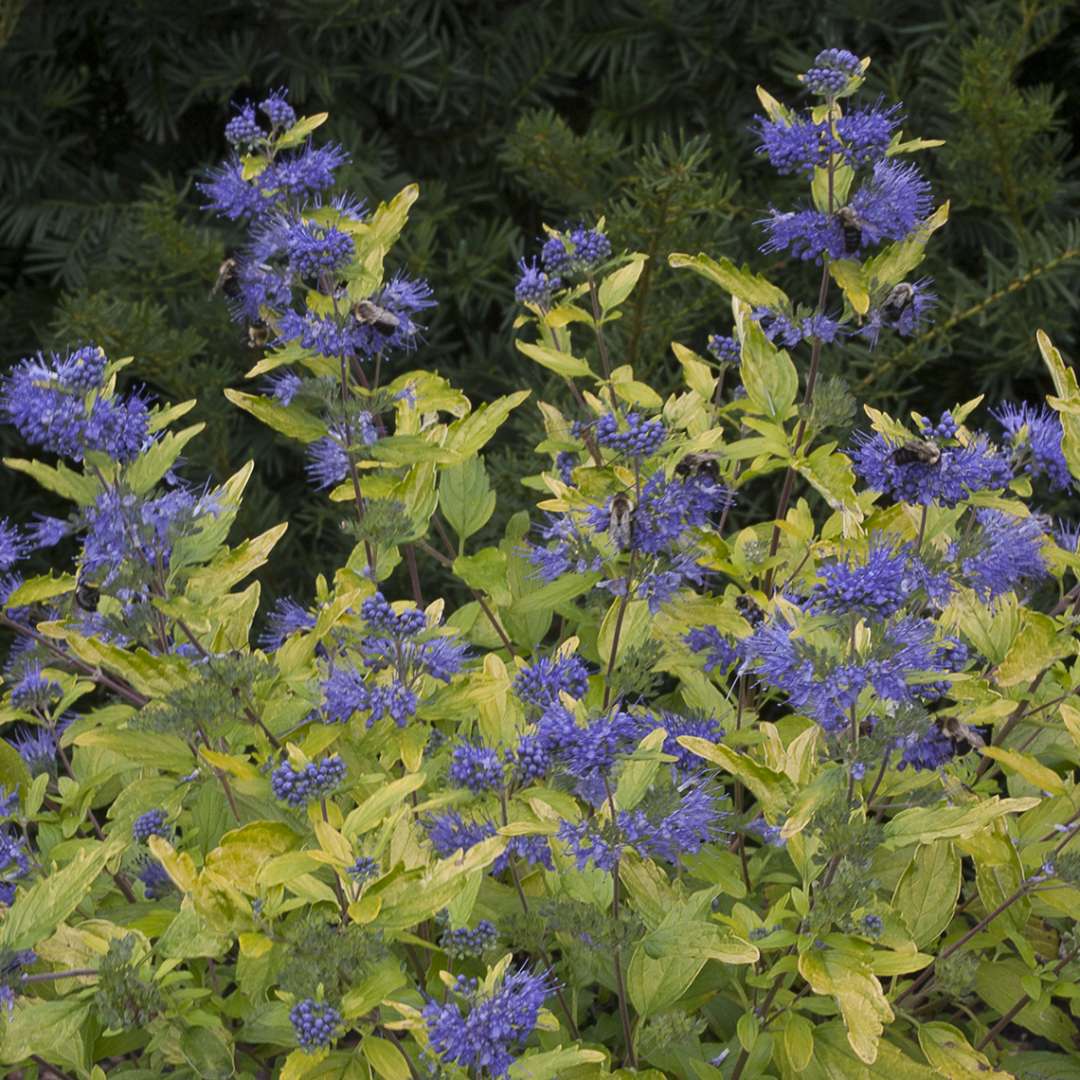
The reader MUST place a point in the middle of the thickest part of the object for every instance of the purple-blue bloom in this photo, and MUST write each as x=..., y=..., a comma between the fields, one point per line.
x=13, y=544
x=316, y=249
x=482, y=1037
x=534, y=286
x=541, y=683
x=1035, y=434
x=720, y=654
x=1009, y=551
x=152, y=823
x=462, y=941
x=476, y=767
x=277, y=109
x=316, y=1024
x=637, y=436
x=315, y=780
x=832, y=70
x=875, y=587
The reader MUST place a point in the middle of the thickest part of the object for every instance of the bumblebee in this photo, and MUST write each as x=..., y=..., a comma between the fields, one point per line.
x=226, y=280
x=917, y=452
x=371, y=314
x=898, y=301
x=87, y=596
x=959, y=733
x=621, y=522
x=258, y=335
x=852, y=225
x=707, y=465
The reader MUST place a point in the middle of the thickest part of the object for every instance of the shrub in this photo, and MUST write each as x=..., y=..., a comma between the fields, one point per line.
x=670, y=795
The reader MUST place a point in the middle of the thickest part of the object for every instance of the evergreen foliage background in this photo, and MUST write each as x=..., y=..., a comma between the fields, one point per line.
x=511, y=114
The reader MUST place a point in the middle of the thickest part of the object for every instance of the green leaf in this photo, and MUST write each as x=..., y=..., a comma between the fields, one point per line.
x=562, y=363
x=1032, y=770
x=465, y=496
x=701, y=940
x=998, y=984
x=380, y=231
x=926, y=894
x=402, y=450
x=303, y=127
x=640, y=771
x=767, y=786
x=1034, y=649
x=619, y=284
x=556, y=593
x=43, y=587
x=147, y=469
x=290, y=420
x=472, y=432
x=209, y=1051
x=486, y=572
x=48, y=902
x=82, y=490
x=378, y=986
x=749, y=287
x=1067, y=402
x=925, y=824
x=768, y=374
x=13, y=771
x=698, y=374
x=799, y=1040
x=856, y=990
x=947, y=1049
x=54, y=1030
x=832, y=476
x=896, y=261
x=625, y=626
x=834, y=1059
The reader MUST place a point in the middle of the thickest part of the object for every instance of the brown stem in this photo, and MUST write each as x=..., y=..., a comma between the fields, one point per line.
x=414, y=575
x=624, y=603
x=1014, y=718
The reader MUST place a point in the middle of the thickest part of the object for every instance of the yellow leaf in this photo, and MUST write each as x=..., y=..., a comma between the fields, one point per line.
x=952, y=1055
x=1026, y=766
x=856, y=990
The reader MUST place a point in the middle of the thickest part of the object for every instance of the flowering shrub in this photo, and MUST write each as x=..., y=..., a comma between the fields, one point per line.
x=677, y=793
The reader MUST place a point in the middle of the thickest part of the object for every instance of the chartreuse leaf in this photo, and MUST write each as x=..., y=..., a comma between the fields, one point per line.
x=924, y=824
x=799, y=1040
x=619, y=284
x=465, y=496
x=562, y=363
x=370, y=813
x=552, y=1064
x=472, y=432
x=1067, y=401
x=209, y=1052
x=39, y=910
x=385, y=1058
x=851, y=279
x=82, y=490
x=749, y=287
x=553, y=594
x=1038, y=644
x=895, y=261
x=303, y=127
x=42, y=587
x=378, y=232
x=849, y=980
x=233, y=565
x=926, y=894
x=767, y=786
x=999, y=984
x=947, y=1049
x=147, y=469
x=768, y=374
x=54, y=1030
x=486, y=572
x=697, y=373
x=834, y=1059
x=291, y=420
x=1032, y=770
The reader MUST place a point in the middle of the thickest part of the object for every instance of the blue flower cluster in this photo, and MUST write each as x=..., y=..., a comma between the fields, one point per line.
x=476, y=767
x=1035, y=435
x=577, y=252
x=12, y=963
x=483, y=1036
x=14, y=858
x=315, y=780
x=636, y=436
x=47, y=403
x=462, y=941
x=155, y=879
x=152, y=823
x=534, y=285
x=540, y=684
x=833, y=69
x=316, y=1024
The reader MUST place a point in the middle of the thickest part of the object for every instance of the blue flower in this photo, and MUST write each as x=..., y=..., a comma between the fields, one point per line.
x=476, y=767
x=37, y=747
x=284, y=386
x=639, y=438
x=724, y=349
x=14, y=864
x=314, y=781
x=534, y=286
x=875, y=588
x=482, y=1038
x=1039, y=433
x=448, y=832
x=277, y=109
x=465, y=942
x=152, y=823
x=314, y=250
x=286, y=617
x=13, y=545
x=12, y=962
x=541, y=683
x=316, y=1024
x=46, y=532
x=364, y=869
x=867, y=132
x=1008, y=551
x=243, y=129
x=32, y=690
x=892, y=203
x=84, y=369
x=119, y=427
x=927, y=751
x=720, y=653
x=579, y=252
x=155, y=879
x=832, y=70
x=701, y=727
